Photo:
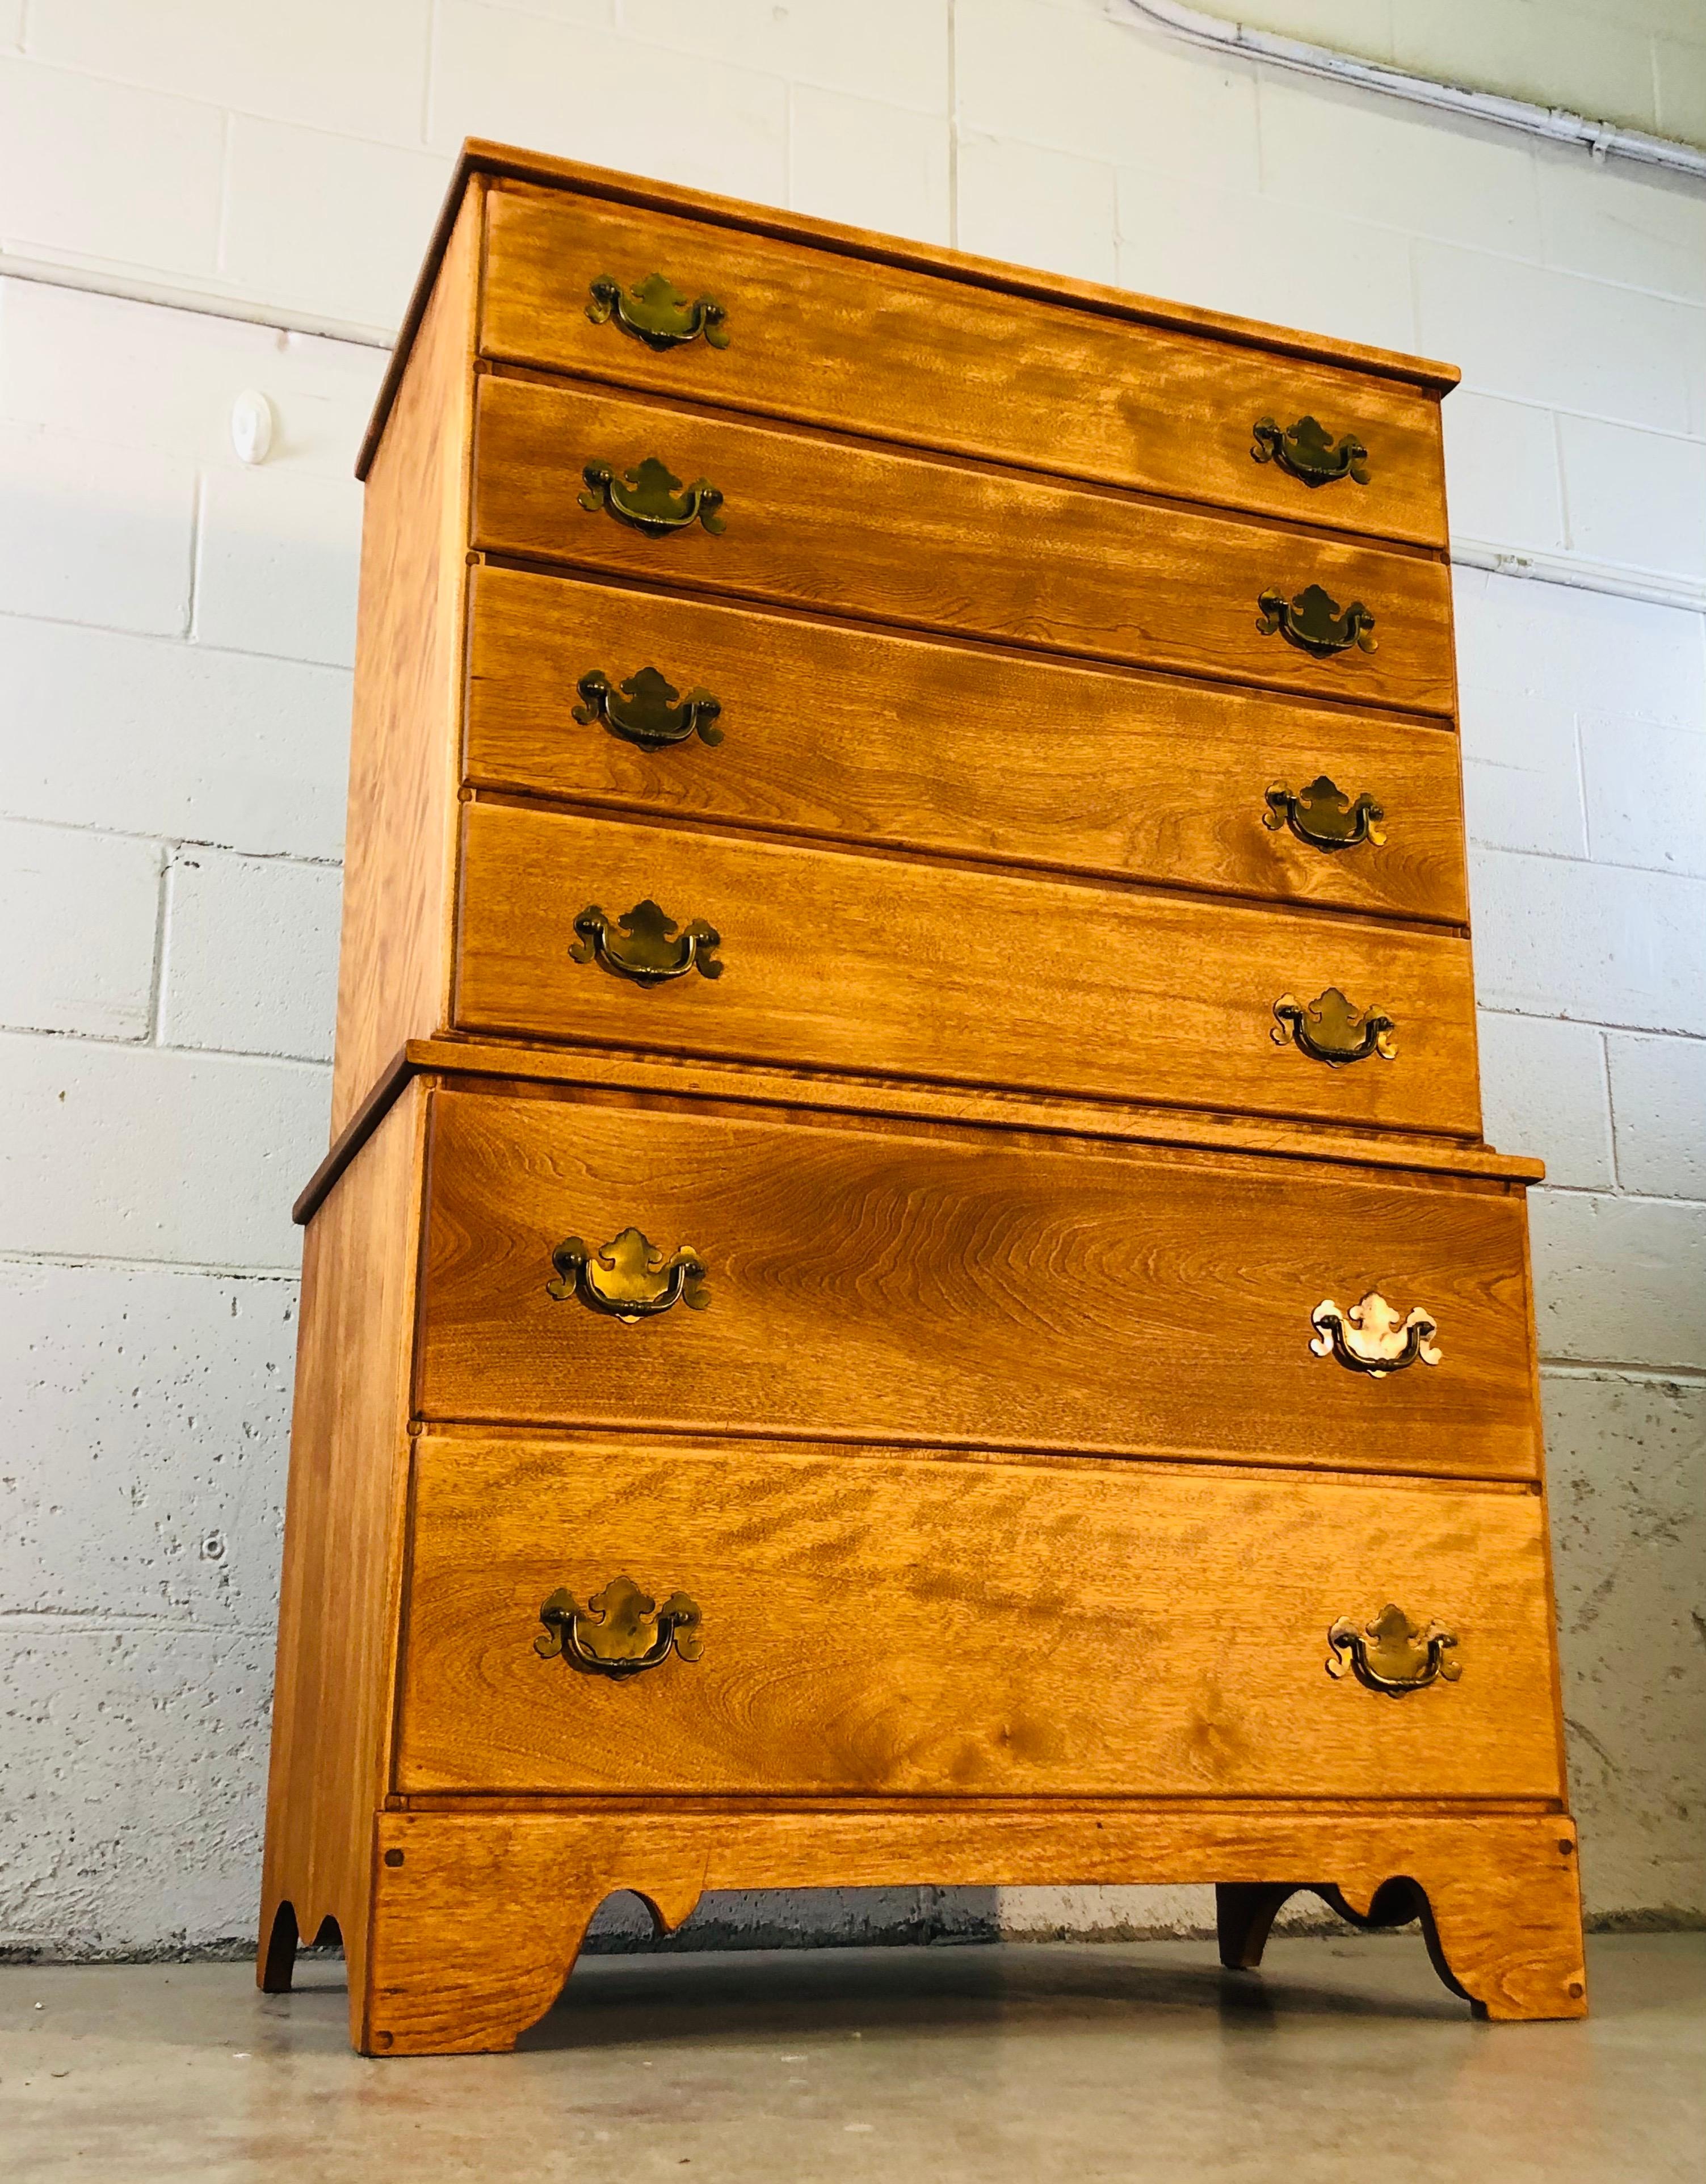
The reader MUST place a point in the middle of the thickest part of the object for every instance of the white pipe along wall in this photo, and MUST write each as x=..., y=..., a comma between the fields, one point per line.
x=175, y=628
x=1603, y=139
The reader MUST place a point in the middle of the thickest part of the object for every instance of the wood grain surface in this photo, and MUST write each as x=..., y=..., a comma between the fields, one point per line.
x=902, y=355
x=882, y=1625
x=818, y=523
x=903, y=969
x=481, y=1913
x=399, y=879
x=343, y=1550
x=948, y=1288
x=874, y=738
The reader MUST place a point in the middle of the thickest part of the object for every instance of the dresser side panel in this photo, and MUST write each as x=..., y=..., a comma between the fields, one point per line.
x=1553, y=1622
x=343, y=1536
x=399, y=873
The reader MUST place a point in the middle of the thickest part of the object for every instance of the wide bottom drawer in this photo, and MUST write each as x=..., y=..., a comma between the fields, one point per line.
x=884, y=1624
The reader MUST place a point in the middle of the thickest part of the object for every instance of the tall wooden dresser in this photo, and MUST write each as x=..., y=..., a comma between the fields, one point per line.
x=908, y=1288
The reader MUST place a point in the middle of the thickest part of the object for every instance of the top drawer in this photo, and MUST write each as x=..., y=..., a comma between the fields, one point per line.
x=942, y=363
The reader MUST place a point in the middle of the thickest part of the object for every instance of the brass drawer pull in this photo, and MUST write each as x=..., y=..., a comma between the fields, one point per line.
x=1313, y=621
x=646, y=712
x=1321, y=814
x=655, y=311
x=1308, y=451
x=620, y=1631
x=1371, y=1338
x=1391, y=1654
x=649, y=950
x=645, y=498
x=1334, y=1030
x=629, y=1278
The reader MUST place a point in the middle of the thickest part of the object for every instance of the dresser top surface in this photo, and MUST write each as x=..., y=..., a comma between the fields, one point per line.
x=509, y=163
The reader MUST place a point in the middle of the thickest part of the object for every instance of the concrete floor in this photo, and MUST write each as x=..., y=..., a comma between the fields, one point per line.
x=1344, y=2062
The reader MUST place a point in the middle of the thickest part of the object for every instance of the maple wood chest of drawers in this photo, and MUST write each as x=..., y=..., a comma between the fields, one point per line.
x=908, y=1288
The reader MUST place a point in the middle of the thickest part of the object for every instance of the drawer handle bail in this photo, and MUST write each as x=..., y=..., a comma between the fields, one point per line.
x=645, y=498
x=1322, y=815
x=1308, y=451
x=1334, y=1030
x=620, y=1631
x=1312, y=621
x=1393, y=1654
x=1371, y=1338
x=629, y=1278
x=655, y=311
x=646, y=712
x=649, y=948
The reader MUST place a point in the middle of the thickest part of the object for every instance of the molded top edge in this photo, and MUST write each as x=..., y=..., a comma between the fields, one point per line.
x=803, y=1091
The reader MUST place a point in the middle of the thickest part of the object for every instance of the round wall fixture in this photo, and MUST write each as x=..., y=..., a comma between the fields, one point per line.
x=252, y=421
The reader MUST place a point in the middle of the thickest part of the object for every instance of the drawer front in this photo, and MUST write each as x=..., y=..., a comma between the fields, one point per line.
x=935, y=545
x=875, y=738
x=876, y=964
x=884, y=1624
x=911, y=357
x=955, y=1287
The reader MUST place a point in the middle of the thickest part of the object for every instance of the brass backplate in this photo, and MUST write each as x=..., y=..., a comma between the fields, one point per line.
x=1309, y=451
x=1321, y=814
x=644, y=710
x=1372, y=1338
x=629, y=1279
x=1315, y=623
x=649, y=497
x=620, y=1631
x=1391, y=1654
x=655, y=311
x=645, y=945
x=1334, y=1030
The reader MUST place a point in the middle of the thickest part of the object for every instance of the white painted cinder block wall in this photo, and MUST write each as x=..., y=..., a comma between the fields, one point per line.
x=175, y=649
